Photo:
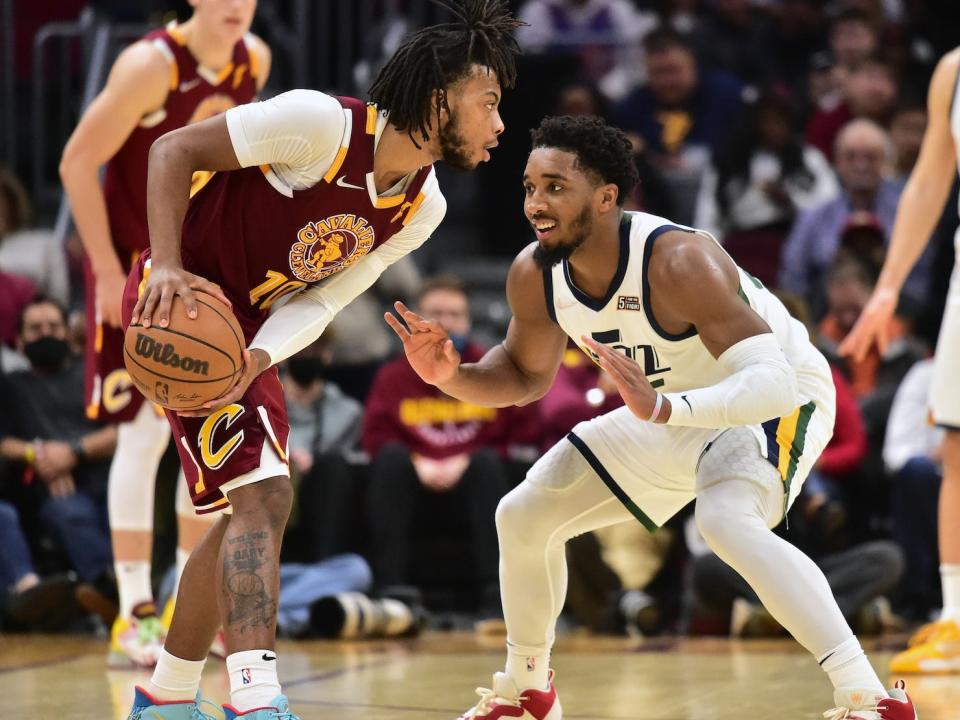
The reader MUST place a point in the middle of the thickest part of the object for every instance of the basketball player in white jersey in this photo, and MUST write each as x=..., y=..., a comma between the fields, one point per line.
x=178, y=75
x=936, y=647
x=727, y=403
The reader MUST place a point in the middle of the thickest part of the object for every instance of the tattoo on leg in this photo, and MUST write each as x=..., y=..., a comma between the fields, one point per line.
x=248, y=597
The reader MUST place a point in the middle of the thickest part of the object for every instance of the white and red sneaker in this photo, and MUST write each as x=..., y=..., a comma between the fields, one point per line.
x=506, y=700
x=860, y=705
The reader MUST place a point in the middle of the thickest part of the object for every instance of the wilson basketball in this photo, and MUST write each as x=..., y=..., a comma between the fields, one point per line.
x=189, y=362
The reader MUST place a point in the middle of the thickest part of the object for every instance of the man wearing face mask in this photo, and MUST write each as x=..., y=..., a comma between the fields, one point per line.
x=424, y=443
x=62, y=451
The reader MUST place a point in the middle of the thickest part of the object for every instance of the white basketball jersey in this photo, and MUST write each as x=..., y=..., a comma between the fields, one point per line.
x=623, y=319
x=955, y=131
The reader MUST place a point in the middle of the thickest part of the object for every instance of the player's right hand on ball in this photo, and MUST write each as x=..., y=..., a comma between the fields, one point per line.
x=153, y=306
x=429, y=349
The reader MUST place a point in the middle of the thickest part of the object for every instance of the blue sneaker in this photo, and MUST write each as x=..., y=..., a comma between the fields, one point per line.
x=279, y=710
x=146, y=707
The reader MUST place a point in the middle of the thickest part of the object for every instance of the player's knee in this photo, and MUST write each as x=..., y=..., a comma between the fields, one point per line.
x=271, y=498
x=513, y=516
x=713, y=524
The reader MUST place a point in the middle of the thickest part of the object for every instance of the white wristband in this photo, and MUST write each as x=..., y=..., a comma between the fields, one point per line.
x=656, y=409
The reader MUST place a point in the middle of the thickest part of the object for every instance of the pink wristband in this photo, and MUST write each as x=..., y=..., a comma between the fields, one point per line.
x=656, y=408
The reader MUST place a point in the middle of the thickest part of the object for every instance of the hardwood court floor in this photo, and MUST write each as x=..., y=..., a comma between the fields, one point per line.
x=57, y=678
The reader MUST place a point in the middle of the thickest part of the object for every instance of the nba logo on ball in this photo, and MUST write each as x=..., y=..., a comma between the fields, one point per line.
x=246, y=675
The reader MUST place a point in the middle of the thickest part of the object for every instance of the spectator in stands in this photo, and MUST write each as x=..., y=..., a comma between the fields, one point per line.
x=681, y=113
x=853, y=38
x=422, y=444
x=58, y=445
x=18, y=292
x=29, y=253
x=758, y=181
x=912, y=453
x=863, y=153
x=825, y=82
x=869, y=91
x=907, y=126
x=324, y=437
x=738, y=39
x=27, y=600
x=604, y=34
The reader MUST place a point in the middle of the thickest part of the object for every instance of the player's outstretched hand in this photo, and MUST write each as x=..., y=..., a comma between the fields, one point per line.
x=153, y=306
x=254, y=363
x=631, y=381
x=872, y=327
x=429, y=349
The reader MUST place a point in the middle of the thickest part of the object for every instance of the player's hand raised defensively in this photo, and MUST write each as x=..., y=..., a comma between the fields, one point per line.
x=429, y=349
x=631, y=382
x=153, y=305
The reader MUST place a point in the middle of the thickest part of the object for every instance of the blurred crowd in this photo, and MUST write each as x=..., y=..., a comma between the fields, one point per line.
x=786, y=128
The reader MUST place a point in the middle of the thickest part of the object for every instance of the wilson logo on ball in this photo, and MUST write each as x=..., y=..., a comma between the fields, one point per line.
x=165, y=354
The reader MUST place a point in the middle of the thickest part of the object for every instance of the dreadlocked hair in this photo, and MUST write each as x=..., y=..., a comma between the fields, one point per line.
x=600, y=149
x=436, y=57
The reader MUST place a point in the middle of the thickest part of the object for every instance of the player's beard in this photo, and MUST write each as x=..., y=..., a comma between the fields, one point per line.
x=454, y=149
x=580, y=228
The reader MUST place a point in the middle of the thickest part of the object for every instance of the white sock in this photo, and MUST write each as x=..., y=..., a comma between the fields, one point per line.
x=848, y=667
x=175, y=679
x=528, y=666
x=253, y=679
x=950, y=581
x=133, y=584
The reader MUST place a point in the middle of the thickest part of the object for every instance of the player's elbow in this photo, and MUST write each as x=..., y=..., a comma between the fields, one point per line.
x=73, y=165
x=172, y=148
x=782, y=388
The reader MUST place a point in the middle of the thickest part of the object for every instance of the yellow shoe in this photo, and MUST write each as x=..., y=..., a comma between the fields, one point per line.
x=136, y=641
x=939, y=654
x=924, y=632
x=167, y=616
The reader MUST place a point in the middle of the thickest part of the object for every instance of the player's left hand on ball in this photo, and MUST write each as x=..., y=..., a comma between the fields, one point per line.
x=254, y=363
x=631, y=381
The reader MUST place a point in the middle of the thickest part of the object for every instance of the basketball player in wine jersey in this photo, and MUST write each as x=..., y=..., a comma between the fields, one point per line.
x=170, y=78
x=313, y=195
x=728, y=404
x=935, y=647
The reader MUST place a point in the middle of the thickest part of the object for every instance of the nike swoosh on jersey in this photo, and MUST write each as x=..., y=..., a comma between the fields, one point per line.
x=341, y=181
x=190, y=85
x=684, y=398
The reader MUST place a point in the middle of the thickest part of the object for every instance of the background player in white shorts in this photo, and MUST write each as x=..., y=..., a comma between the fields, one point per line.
x=747, y=406
x=936, y=647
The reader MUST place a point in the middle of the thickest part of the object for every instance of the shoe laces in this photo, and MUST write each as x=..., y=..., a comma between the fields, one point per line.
x=199, y=714
x=841, y=713
x=488, y=699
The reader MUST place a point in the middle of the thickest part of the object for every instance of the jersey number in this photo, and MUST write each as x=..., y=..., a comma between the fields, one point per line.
x=644, y=355
x=272, y=289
